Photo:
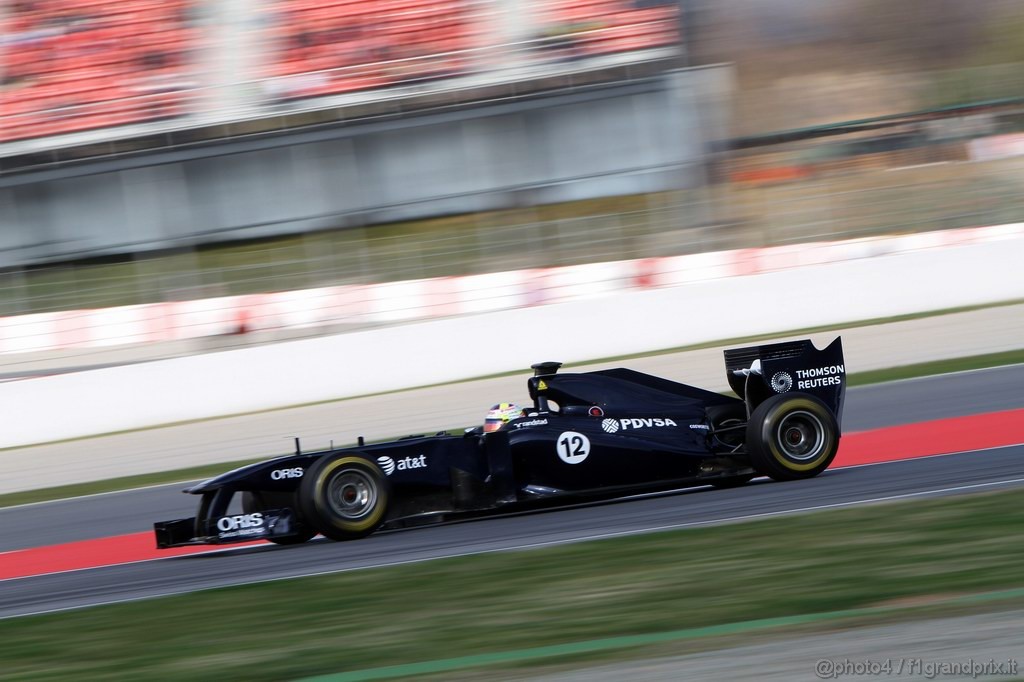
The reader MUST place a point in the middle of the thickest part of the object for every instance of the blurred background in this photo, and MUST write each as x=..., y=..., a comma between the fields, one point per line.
x=183, y=176
x=158, y=151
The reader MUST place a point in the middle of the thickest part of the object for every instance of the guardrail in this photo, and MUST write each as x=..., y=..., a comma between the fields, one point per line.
x=777, y=291
x=357, y=306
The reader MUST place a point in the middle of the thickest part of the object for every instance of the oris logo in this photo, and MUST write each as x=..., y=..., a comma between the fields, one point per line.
x=240, y=521
x=278, y=474
x=781, y=382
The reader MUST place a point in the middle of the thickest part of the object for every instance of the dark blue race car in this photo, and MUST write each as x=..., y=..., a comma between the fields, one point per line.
x=590, y=434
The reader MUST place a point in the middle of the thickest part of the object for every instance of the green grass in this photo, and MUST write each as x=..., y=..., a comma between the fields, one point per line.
x=837, y=560
x=206, y=471
x=121, y=483
x=806, y=331
x=877, y=376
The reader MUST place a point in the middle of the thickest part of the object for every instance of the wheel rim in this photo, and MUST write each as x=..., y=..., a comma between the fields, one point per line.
x=352, y=494
x=801, y=436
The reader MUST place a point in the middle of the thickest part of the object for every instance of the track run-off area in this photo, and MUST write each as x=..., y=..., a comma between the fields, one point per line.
x=949, y=434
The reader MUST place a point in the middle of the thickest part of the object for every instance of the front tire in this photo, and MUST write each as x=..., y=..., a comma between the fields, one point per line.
x=344, y=496
x=792, y=436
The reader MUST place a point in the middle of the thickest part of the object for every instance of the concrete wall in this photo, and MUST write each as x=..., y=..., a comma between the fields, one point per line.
x=627, y=322
x=637, y=137
x=348, y=307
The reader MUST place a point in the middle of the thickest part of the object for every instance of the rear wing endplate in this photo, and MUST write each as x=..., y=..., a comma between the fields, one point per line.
x=757, y=372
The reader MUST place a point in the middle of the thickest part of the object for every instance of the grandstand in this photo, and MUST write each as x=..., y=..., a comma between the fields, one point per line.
x=365, y=144
x=158, y=150
x=73, y=65
x=86, y=65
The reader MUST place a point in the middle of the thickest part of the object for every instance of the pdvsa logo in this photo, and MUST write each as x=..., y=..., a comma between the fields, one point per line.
x=390, y=465
x=613, y=425
x=279, y=474
x=240, y=521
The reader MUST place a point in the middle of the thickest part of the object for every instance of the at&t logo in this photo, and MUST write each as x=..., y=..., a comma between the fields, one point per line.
x=389, y=465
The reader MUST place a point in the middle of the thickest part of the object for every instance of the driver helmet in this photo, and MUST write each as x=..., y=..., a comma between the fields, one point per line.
x=501, y=414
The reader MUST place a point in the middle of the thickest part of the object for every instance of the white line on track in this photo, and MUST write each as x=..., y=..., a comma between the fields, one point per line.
x=531, y=545
x=190, y=481
x=928, y=377
x=914, y=459
x=194, y=480
x=864, y=386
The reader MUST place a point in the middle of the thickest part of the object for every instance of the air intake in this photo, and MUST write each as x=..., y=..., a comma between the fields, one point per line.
x=545, y=368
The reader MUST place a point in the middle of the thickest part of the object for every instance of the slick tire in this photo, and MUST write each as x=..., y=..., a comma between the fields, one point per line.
x=345, y=497
x=792, y=436
x=263, y=500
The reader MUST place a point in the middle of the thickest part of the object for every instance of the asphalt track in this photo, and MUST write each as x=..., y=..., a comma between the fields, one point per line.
x=869, y=407
x=427, y=409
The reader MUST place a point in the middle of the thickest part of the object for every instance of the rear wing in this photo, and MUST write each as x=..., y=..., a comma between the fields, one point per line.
x=757, y=372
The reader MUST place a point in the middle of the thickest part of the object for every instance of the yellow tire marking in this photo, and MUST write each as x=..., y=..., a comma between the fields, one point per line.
x=354, y=526
x=814, y=409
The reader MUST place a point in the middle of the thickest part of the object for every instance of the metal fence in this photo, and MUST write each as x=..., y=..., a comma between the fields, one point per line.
x=914, y=198
x=589, y=231
x=716, y=217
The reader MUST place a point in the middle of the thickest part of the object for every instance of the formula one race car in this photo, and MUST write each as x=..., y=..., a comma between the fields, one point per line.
x=588, y=435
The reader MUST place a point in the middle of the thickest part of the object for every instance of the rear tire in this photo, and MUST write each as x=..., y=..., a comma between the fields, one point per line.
x=344, y=496
x=262, y=500
x=792, y=436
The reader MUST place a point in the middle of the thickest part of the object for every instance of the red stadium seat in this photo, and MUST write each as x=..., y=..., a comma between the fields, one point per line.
x=108, y=70
x=388, y=31
x=82, y=79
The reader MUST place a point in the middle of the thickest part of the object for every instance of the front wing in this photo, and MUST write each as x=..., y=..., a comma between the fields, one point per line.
x=273, y=523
